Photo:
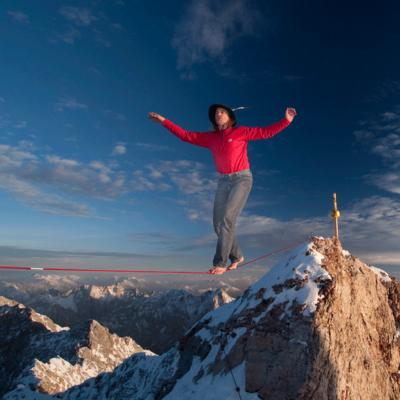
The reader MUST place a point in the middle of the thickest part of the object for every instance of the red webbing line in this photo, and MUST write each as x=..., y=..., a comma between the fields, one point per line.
x=145, y=272
x=103, y=270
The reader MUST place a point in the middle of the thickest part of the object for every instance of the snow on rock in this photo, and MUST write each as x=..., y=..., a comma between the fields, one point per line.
x=382, y=275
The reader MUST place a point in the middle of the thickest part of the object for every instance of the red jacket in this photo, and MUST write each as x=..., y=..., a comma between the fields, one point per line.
x=228, y=147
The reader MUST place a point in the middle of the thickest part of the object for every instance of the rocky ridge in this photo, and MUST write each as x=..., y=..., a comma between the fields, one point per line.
x=36, y=353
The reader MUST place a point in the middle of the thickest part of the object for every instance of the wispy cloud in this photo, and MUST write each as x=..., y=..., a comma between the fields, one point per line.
x=19, y=17
x=119, y=149
x=100, y=38
x=79, y=16
x=70, y=103
x=156, y=238
x=369, y=229
x=4, y=122
x=153, y=147
x=381, y=136
x=385, y=89
x=21, y=124
x=21, y=252
x=68, y=36
x=209, y=28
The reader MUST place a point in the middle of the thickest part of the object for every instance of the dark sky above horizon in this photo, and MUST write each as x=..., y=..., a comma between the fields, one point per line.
x=86, y=181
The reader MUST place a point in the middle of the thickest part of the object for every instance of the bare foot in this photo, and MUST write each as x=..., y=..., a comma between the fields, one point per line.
x=217, y=270
x=235, y=264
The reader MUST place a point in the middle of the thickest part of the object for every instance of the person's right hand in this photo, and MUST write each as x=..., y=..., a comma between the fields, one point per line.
x=157, y=118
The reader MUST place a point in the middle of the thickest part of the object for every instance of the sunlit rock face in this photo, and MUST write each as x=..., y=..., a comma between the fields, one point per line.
x=320, y=325
x=39, y=354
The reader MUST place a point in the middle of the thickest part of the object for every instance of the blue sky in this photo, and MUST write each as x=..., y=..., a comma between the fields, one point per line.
x=86, y=181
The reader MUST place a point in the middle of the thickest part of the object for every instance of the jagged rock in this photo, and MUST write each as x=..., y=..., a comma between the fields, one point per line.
x=156, y=322
x=320, y=325
x=37, y=353
x=7, y=302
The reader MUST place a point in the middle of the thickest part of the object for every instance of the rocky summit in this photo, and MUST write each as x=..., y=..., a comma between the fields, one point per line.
x=319, y=325
x=36, y=353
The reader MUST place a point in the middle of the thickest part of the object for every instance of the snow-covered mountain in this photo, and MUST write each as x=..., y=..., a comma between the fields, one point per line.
x=319, y=325
x=156, y=322
x=36, y=353
x=31, y=285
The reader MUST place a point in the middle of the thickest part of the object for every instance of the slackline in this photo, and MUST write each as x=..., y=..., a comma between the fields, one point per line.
x=145, y=272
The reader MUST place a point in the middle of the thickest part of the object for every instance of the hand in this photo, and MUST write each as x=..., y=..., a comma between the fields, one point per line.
x=156, y=118
x=290, y=113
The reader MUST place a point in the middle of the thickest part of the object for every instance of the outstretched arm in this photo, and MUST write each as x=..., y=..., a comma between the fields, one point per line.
x=195, y=138
x=156, y=118
x=269, y=131
x=290, y=113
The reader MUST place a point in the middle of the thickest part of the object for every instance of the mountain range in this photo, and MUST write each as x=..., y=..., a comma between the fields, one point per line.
x=156, y=321
x=320, y=325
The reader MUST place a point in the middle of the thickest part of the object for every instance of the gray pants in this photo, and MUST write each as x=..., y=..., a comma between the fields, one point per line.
x=232, y=193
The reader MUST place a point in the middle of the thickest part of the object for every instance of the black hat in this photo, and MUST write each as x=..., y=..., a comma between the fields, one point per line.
x=213, y=108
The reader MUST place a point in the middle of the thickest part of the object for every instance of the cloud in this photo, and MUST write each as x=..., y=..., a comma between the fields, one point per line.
x=19, y=17
x=153, y=147
x=95, y=70
x=121, y=117
x=57, y=205
x=21, y=252
x=33, y=179
x=209, y=28
x=68, y=36
x=185, y=175
x=26, y=175
x=141, y=183
x=155, y=238
x=22, y=124
x=4, y=122
x=79, y=16
x=369, y=229
x=385, y=90
x=70, y=103
x=119, y=149
x=389, y=181
x=99, y=38
x=381, y=136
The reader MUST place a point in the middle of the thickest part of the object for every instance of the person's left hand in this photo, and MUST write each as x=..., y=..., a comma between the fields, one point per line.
x=290, y=113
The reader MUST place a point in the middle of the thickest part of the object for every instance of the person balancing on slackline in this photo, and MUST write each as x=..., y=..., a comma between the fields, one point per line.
x=228, y=145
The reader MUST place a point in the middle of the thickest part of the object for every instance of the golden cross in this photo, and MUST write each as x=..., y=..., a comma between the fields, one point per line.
x=335, y=214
